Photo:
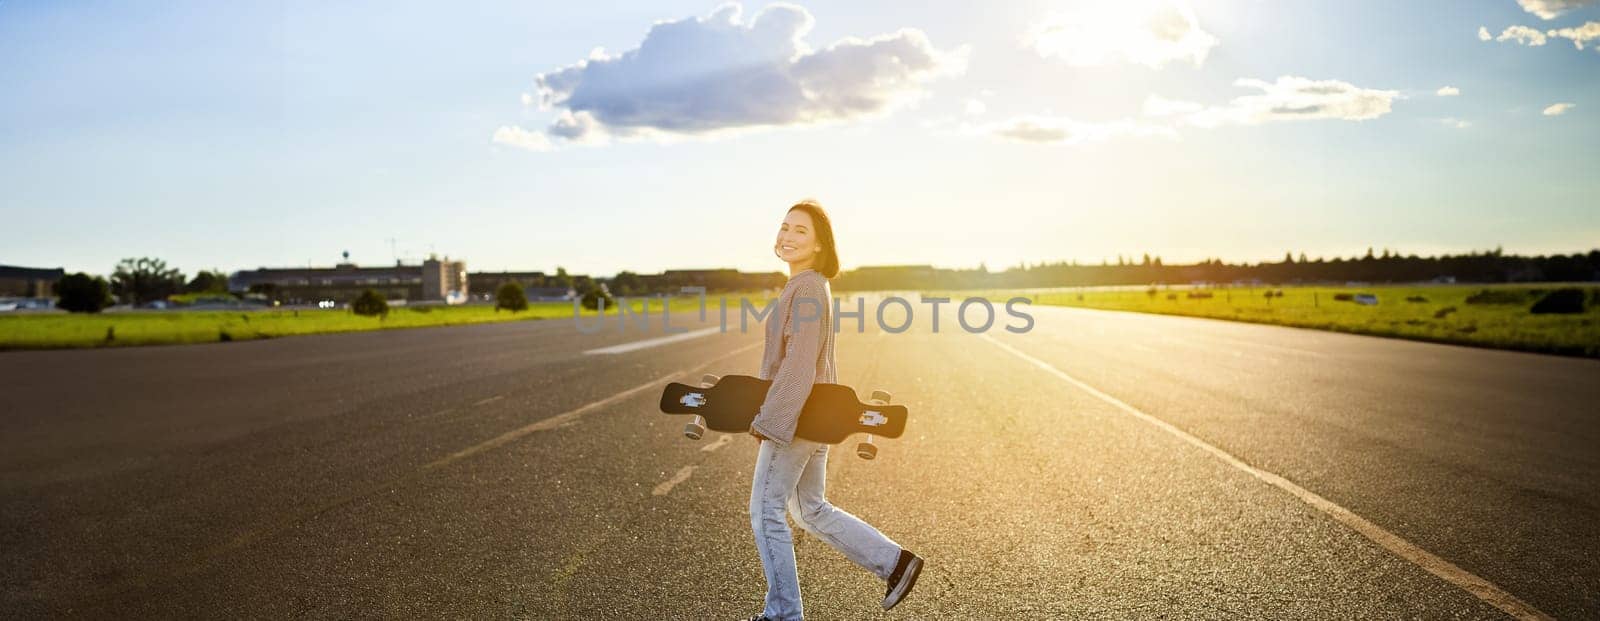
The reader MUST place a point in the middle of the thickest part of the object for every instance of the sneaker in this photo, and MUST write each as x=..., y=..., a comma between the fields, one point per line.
x=902, y=579
x=759, y=618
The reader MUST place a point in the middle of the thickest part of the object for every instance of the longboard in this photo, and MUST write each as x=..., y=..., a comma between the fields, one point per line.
x=831, y=414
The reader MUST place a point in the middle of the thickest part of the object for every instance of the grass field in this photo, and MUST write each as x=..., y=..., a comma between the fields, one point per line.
x=116, y=329
x=1437, y=313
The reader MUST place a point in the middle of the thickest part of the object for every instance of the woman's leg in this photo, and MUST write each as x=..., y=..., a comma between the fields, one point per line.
x=859, y=541
x=777, y=472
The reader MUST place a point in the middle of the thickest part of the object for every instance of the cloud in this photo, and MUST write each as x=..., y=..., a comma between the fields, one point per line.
x=1483, y=34
x=522, y=139
x=1289, y=98
x=1523, y=35
x=1144, y=32
x=1549, y=9
x=1456, y=123
x=1447, y=91
x=705, y=75
x=1559, y=109
x=1062, y=130
x=1580, y=35
x=976, y=106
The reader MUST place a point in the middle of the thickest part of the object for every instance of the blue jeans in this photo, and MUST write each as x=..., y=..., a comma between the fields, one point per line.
x=793, y=478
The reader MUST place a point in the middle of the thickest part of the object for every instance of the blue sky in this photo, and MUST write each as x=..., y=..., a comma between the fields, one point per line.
x=238, y=135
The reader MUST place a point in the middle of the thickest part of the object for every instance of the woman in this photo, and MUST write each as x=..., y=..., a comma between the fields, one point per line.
x=790, y=471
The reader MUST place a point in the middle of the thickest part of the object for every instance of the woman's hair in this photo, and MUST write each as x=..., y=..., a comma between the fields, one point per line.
x=827, y=262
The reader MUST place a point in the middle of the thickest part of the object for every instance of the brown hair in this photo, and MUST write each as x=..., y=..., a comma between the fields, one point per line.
x=827, y=262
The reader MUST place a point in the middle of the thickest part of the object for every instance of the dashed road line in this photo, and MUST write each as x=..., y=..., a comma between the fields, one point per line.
x=1478, y=586
x=719, y=443
x=655, y=342
x=667, y=485
x=570, y=415
x=262, y=530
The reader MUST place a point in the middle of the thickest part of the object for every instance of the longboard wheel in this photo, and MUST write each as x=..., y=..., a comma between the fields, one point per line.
x=695, y=430
x=708, y=380
x=880, y=397
x=866, y=450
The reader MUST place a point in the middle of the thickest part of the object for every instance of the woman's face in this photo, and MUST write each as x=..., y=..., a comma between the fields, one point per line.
x=797, y=241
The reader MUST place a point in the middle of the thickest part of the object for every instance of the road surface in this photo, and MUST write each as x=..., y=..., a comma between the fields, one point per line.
x=1103, y=465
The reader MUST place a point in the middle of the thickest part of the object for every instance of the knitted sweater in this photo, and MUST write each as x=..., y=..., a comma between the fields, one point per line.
x=798, y=354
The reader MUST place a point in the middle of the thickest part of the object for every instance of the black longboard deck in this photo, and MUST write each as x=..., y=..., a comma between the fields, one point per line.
x=831, y=414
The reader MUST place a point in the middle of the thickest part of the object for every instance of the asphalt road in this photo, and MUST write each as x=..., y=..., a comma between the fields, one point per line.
x=1104, y=465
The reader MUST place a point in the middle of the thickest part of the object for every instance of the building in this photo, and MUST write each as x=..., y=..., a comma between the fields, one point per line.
x=714, y=280
x=433, y=280
x=29, y=282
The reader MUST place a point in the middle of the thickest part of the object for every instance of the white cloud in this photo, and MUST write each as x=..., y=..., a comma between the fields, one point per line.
x=1145, y=32
x=1483, y=34
x=1062, y=130
x=1456, y=123
x=1156, y=105
x=1522, y=34
x=1447, y=91
x=720, y=73
x=527, y=99
x=976, y=107
x=1580, y=35
x=1289, y=98
x=522, y=139
x=1559, y=109
x=1549, y=9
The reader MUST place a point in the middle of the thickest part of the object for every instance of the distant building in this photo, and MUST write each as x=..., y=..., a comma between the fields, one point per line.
x=537, y=286
x=29, y=282
x=433, y=280
x=714, y=280
x=487, y=283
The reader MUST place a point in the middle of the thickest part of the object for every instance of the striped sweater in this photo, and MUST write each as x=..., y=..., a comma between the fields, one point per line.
x=799, y=353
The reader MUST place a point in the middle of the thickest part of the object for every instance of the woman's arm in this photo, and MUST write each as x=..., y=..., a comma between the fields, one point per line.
x=791, y=385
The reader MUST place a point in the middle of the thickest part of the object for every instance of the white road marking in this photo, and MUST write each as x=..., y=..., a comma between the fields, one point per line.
x=667, y=485
x=489, y=400
x=267, y=528
x=655, y=342
x=721, y=442
x=546, y=424
x=1450, y=572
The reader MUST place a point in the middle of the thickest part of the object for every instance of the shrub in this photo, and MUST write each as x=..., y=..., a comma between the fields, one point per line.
x=1417, y=299
x=1560, y=301
x=511, y=298
x=370, y=304
x=1444, y=312
x=591, y=299
x=1344, y=297
x=82, y=293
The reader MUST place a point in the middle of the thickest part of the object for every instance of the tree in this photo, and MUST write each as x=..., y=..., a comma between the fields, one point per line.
x=370, y=304
x=511, y=297
x=562, y=279
x=213, y=281
x=627, y=283
x=82, y=293
x=145, y=279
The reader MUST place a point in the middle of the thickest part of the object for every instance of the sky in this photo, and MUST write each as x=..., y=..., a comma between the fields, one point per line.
x=674, y=135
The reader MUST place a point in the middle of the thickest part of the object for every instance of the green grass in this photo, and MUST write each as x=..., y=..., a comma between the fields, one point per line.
x=60, y=330
x=1503, y=326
